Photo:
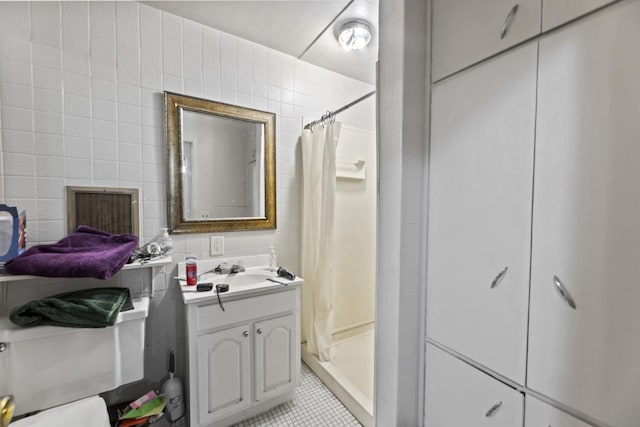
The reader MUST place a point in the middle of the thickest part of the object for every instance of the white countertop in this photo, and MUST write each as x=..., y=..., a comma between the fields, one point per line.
x=190, y=295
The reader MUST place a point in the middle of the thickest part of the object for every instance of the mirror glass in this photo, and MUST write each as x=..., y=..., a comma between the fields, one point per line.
x=6, y=232
x=221, y=166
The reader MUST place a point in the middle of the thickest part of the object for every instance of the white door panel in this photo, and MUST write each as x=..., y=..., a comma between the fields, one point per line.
x=481, y=172
x=586, y=222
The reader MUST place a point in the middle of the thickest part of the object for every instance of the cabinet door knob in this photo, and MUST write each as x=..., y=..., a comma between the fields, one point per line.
x=245, y=334
x=508, y=20
x=499, y=277
x=493, y=409
x=259, y=331
x=564, y=293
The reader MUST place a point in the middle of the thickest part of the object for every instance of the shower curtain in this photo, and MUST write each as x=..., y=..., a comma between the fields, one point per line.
x=319, y=187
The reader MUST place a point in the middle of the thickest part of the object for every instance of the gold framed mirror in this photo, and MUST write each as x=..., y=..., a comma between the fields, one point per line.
x=222, y=172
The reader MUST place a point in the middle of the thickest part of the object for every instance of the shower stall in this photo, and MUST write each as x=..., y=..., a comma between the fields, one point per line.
x=345, y=365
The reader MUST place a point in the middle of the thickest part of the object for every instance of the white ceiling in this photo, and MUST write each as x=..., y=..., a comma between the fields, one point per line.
x=294, y=27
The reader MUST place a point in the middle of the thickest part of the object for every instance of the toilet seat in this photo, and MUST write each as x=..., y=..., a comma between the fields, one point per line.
x=89, y=412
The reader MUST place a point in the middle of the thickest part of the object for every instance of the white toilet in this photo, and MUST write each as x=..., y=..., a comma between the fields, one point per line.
x=61, y=370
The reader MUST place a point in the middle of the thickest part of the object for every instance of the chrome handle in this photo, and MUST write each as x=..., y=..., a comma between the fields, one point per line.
x=3, y=347
x=259, y=331
x=564, y=293
x=493, y=409
x=499, y=277
x=508, y=20
x=245, y=334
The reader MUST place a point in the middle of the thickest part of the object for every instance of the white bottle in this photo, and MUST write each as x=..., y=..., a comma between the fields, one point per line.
x=172, y=391
x=273, y=264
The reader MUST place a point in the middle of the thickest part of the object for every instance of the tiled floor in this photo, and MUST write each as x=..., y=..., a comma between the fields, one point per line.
x=314, y=405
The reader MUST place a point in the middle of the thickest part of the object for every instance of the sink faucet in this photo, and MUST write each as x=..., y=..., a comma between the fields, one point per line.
x=237, y=268
x=224, y=268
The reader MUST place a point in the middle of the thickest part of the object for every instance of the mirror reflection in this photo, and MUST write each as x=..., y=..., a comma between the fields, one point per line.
x=221, y=166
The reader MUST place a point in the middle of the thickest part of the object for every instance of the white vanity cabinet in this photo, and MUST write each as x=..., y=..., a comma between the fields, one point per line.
x=460, y=395
x=586, y=218
x=466, y=32
x=481, y=176
x=245, y=359
x=557, y=12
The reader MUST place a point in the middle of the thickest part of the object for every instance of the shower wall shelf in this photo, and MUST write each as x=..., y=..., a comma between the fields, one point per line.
x=351, y=169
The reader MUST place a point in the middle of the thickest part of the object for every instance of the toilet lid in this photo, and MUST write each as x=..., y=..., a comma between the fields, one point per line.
x=89, y=412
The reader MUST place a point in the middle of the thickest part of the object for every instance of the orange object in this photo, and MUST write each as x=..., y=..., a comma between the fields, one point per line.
x=133, y=422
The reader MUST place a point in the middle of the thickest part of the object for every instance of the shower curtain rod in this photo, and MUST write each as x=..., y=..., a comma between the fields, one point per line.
x=339, y=110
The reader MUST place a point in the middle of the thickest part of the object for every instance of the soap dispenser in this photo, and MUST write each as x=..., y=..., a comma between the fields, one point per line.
x=166, y=243
x=273, y=264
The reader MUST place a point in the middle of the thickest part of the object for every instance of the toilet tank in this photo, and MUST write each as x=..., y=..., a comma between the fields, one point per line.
x=46, y=366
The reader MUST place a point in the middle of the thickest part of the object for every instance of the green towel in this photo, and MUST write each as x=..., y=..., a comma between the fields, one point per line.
x=88, y=308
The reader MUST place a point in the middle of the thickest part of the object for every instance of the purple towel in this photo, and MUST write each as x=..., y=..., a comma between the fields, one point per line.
x=87, y=252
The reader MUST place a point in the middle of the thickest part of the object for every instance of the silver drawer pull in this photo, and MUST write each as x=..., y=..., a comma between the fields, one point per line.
x=245, y=334
x=493, y=409
x=564, y=293
x=499, y=277
x=508, y=20
x=259, y=331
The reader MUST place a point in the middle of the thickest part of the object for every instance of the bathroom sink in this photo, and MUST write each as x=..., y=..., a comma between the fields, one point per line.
x=246, y=278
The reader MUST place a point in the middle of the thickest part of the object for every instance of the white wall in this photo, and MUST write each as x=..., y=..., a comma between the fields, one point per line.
x=403, y=144
x=80, y=89
x=355, y=232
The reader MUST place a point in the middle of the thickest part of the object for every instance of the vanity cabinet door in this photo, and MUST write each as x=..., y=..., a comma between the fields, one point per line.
x=466, y=32
x=458, y=394
x=584, y=351
x=276, y=356
x=224, y=381
x=481, y=172
x=557, y=12
x=539, y=414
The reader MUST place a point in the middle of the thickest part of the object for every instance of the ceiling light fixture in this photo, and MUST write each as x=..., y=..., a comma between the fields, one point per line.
x=354, y=35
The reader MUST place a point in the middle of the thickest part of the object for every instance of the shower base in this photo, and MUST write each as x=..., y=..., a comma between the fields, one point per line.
x=350, y=373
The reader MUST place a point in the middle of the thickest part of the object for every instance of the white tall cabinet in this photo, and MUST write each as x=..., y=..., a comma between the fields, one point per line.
x=533, y=276
x=586, y=218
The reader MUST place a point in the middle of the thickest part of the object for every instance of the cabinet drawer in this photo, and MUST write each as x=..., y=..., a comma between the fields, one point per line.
x=211, y=315
x=460, y=395
x=538, y=413
x=557, y=12
x=465, y=32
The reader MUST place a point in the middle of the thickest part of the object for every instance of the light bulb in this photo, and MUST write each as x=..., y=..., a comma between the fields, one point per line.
x=354, y=35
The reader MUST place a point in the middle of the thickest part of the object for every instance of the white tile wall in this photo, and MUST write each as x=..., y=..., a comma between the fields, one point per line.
x=81, y=104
